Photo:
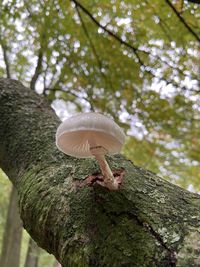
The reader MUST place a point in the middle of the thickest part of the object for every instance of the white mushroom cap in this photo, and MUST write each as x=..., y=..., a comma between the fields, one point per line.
x=76, y=135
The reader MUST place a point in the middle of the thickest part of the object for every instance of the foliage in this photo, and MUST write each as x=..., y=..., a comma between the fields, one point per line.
x=136, y=61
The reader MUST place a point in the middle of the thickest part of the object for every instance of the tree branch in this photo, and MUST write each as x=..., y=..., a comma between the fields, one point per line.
x=32, y=254
x=11, y=245
x=115, y=36
x=93, y=49
x=161, y=23
x=37, y=70
x=5, y=57
x=148, y=221
x=182, y=20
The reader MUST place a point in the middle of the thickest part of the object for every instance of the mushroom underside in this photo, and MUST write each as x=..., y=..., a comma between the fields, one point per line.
x=79, y=143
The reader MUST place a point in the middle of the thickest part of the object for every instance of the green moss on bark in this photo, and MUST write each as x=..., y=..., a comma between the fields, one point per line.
x=144, y=223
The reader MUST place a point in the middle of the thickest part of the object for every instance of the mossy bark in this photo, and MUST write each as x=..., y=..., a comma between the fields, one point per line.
x=147, y=222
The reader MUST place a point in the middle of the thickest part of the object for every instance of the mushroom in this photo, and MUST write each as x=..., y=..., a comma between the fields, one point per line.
x=91, y=134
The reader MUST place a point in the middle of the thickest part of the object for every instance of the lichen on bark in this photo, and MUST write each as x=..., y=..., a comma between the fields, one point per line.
x=144, y=223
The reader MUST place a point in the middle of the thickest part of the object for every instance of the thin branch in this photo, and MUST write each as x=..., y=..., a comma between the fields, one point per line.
x=93, y=49
x=57, y=89
x=38, y=70
x=5, y=57
x=89, y=39
x=115, y=36
x=161, y=23
x=183, y=20
x=167, y=63
x=6, y=60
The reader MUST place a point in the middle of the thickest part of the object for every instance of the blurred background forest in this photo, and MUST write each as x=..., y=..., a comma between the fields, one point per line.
x=136, y=61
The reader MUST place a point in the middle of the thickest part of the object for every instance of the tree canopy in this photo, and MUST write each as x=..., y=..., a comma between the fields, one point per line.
x=137, y=61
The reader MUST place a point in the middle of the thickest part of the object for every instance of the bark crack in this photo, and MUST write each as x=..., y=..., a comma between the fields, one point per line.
x=172, y=253
x=143, y=224
x=146, y=226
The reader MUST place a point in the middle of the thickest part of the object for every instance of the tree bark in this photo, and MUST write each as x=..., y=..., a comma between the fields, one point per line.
x=32, y=255
x=10, y=255
x=147, y=222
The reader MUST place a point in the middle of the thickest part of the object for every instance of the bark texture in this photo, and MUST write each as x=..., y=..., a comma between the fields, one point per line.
x=147, y=222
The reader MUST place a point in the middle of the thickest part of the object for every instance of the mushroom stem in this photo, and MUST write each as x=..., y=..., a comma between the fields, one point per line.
x=109, y=180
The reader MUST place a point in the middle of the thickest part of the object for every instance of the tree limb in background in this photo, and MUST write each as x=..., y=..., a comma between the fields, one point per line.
x=5, y=58
x=161, y=23
x=10, y=254
x=134, y=49
x=32, y=255
x=183, y=21
x=93, y=49
x=164, y=26
x=148, y=221
x=37, y=70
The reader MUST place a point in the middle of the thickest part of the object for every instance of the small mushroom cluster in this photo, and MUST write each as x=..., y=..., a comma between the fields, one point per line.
x=91, y=134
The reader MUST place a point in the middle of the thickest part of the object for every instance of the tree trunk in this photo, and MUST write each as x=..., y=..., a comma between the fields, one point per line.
x=147, y=222
x=32, y=254
x=10, y=256
x=57, y=264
